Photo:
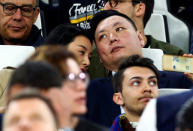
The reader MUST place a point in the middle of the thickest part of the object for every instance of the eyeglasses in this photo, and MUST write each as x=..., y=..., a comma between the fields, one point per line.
x=81, y=76
x=114, y=3
x=11, y=9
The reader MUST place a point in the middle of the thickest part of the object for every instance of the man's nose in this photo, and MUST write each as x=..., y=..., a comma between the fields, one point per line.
x=147, y=87
x=17, y=15
x=86, y=61
x=113, y=37
x=24, y=124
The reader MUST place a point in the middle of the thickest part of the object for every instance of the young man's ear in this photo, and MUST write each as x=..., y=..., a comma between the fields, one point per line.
x=118, y=99
x=141, y=39
x=140, y=9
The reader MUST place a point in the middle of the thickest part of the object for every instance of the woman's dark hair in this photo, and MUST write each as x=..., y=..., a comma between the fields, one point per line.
x=64, y=34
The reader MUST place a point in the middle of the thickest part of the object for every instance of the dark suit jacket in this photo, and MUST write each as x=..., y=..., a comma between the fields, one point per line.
x=102, y=109
x=168, y=107
x=174, y=80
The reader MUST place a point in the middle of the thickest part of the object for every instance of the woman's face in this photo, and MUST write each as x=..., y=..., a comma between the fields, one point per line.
x=75, y=85
x=81, y=47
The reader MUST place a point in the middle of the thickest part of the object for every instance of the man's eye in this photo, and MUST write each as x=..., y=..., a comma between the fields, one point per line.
x=102, y=36
x=14, y=121
x=153, y=83
x=119, y=29
x=36, y=117
x=136, y=83
x=27, y=9
x=81, y=52
x=10, y=7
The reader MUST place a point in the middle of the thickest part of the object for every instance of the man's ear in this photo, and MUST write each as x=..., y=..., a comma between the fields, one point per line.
x=118, y=99
x=37, y=11
x=141, y=39
x=140, y=9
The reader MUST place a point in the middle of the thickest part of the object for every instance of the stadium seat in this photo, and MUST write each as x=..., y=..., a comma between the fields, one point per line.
x=155, y=55
x=176, y=31
x=13, y=56
x=168, y=91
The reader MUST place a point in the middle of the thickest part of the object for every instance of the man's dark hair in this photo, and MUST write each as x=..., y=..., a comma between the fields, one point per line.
x=64, y=34
x=185, y=116
x=40, y=75
x=105, y=14
x=134, y=60
x=149, y=5
x=34, y=94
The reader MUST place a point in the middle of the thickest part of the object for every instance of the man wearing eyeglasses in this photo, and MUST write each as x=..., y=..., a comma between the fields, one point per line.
x=17, y=23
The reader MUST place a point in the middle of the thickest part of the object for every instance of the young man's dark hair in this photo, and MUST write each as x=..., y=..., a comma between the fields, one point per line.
x=149, y=4
x=105, y=14
x=36, y=74
x=134, y=60
x=64, y=34
x=185, y=117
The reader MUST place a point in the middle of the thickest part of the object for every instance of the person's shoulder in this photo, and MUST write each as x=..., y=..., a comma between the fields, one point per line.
x=166, y=47
x=85, y=125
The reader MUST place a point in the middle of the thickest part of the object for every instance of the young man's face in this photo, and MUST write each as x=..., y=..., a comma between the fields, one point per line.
x=124, y=6
x=15, y=26
x=139, y=86
x=117, y=39
x=29, y=114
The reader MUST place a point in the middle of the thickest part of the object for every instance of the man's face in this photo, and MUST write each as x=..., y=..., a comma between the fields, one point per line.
x=117, y=39
x=23, y=115
x=139, y=86
x=17, y=27
x=124, y=6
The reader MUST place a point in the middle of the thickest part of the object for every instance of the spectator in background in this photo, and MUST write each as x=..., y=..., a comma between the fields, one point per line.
x=185, y=117
x=76, y=40
x=76, y=12
x=135, y=84
x=183, y=9
x=17, y=23
x=139, y=11
x=24, y=112
x=74, y=84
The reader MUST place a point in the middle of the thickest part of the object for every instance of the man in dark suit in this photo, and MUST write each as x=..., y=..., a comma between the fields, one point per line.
x=116, y=37
x=17, y=23
x=114, y=34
